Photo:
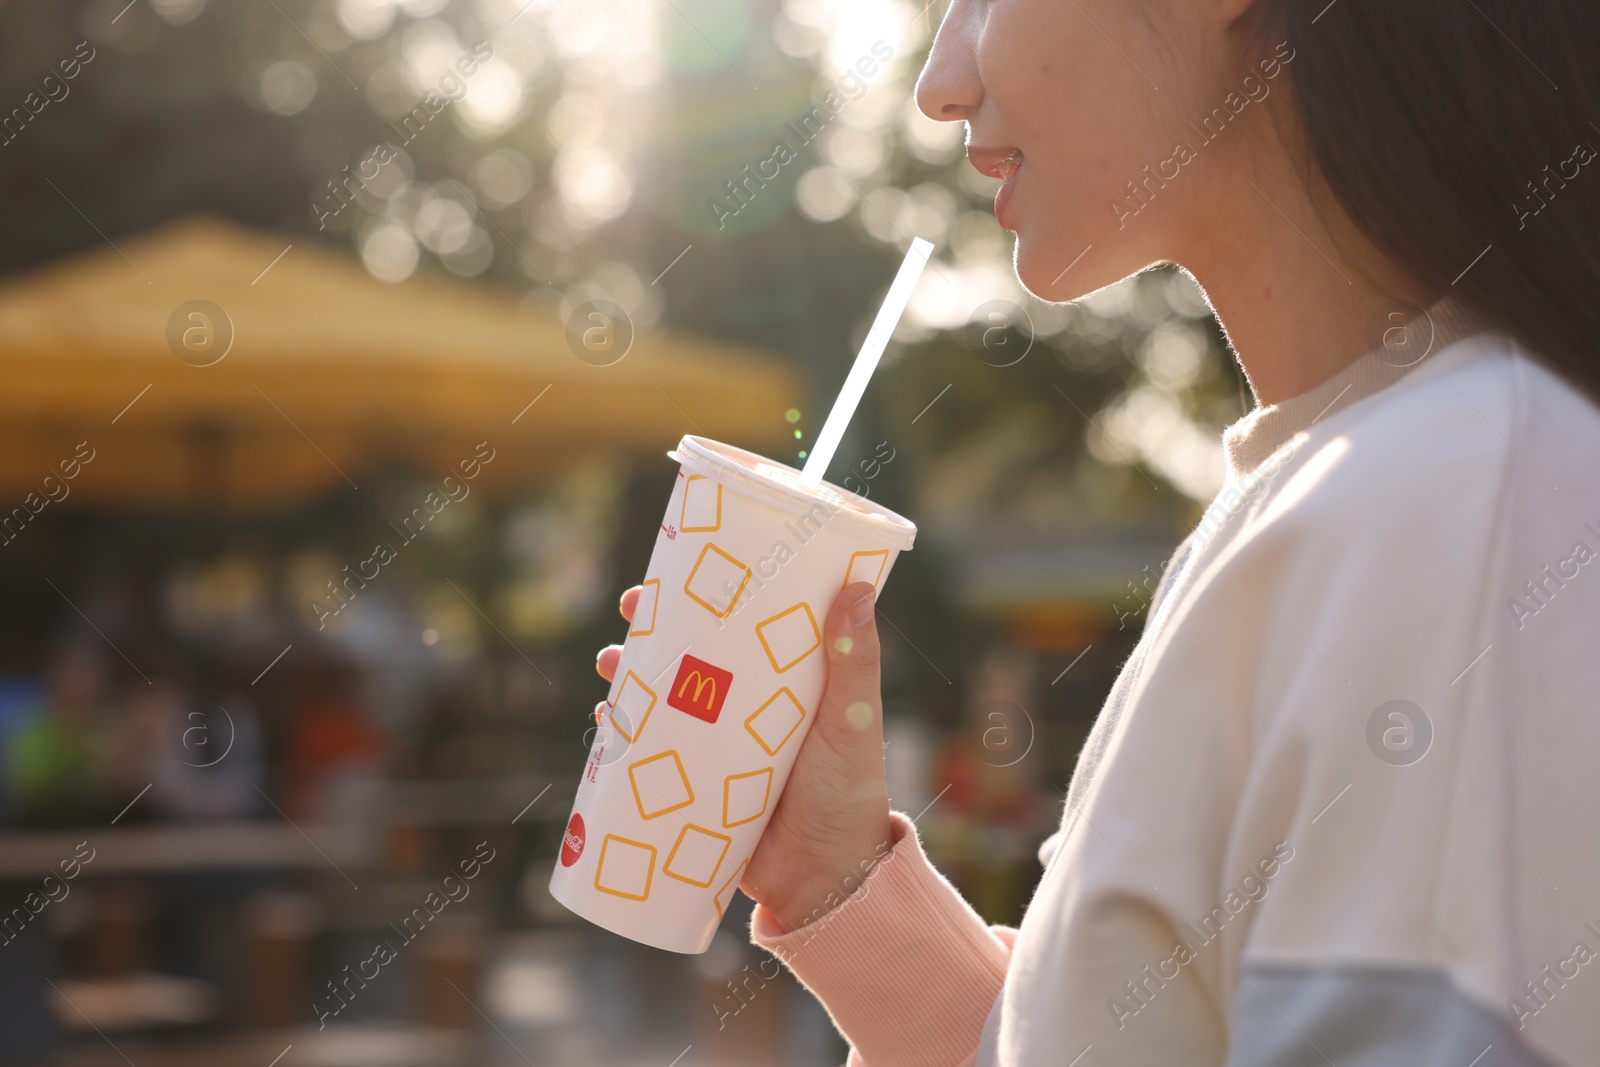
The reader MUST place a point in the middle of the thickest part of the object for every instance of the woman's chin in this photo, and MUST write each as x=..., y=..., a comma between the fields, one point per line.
x=1057, y=271
x=1048, y=273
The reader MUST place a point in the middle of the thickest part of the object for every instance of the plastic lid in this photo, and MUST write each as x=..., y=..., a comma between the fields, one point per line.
x=784, y=488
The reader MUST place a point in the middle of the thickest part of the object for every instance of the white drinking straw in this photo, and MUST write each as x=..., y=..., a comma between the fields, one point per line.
x=855, y=383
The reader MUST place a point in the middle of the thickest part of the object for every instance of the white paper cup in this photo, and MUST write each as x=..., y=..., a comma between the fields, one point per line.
x=718, y=684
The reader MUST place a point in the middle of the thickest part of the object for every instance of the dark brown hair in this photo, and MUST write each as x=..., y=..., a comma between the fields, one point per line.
x=1457, y=129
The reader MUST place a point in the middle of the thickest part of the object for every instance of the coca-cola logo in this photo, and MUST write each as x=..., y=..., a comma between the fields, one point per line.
x=572, y=841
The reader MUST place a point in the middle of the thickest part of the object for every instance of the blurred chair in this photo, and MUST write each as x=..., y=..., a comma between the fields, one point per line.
x=278, y=927
x=448, y=976
x=28, y=1033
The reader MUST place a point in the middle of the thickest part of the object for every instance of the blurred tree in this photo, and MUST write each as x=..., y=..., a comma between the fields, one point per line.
x=630, y=150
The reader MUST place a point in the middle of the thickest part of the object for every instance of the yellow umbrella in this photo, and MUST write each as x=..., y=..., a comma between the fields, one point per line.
x=207, y=364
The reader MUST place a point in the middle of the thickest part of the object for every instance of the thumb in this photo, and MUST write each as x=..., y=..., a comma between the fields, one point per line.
x=850, y=718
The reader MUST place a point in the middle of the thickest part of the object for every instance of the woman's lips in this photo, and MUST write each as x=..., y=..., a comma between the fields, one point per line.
x=1002, y=163
x=1002, y=195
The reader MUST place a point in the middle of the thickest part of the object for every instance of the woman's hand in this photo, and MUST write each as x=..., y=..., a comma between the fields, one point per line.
x=832, y=821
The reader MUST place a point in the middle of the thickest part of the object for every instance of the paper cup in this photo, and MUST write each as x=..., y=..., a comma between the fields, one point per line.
x=719, y=682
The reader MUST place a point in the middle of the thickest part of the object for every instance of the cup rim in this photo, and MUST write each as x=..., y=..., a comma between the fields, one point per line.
x=779, y=484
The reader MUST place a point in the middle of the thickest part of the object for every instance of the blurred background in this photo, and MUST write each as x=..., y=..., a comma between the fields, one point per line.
x=273, y=269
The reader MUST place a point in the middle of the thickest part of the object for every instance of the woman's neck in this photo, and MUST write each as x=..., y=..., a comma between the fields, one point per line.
x=1301, y=293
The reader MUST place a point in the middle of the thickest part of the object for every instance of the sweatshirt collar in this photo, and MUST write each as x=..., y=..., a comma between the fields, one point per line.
x=1260, y=433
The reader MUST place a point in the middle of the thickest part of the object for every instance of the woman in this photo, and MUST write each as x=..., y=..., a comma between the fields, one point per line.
x=1340, y=804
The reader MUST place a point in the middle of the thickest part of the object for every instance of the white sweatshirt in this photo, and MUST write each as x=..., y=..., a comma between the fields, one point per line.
x=1341, y=806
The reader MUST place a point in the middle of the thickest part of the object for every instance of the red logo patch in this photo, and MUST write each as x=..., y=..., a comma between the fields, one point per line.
x=572, y=841
x=699, y=689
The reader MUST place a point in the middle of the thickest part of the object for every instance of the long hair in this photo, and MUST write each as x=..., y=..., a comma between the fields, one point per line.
x=1463, y=137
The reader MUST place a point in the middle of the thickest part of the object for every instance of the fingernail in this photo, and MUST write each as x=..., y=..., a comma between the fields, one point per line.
x=861, y=611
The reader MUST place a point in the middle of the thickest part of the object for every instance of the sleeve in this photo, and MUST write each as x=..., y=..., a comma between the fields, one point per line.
x=906, y=968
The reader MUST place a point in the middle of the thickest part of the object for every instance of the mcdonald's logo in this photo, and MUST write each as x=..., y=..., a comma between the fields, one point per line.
x=699, y=689
x=699, y=681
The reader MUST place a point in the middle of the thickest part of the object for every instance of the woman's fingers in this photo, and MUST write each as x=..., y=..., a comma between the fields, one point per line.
x=850, y=718
x=630, y=602
x=606, y=662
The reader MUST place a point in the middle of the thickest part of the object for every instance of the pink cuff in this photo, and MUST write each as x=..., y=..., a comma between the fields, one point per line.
x=905, y=967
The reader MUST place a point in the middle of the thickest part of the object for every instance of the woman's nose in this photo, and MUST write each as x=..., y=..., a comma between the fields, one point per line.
x=949, y=89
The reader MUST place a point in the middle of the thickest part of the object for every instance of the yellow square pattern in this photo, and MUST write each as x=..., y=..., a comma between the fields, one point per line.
x=789, y=636
x=660, y=784
x=714, y=574
x=774, y=722
x=866, y=567
x=702, y=505
x=745, y=796
x=631, y=710
x=696, y=855
x=625, y=868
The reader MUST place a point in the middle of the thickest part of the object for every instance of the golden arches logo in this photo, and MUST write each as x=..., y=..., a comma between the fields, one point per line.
x=699, y=688
x=700, y=682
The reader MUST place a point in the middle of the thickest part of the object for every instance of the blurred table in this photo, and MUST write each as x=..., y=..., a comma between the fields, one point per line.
x=150, y=849
x=258, y=844
x=236, y=845
x=340, y=1045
